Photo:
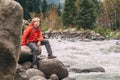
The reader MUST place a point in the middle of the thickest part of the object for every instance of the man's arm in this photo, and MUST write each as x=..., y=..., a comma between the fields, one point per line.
x=25, y=34
x=41, y=36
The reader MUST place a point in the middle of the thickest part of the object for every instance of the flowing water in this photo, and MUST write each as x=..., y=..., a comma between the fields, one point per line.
x=103, y=53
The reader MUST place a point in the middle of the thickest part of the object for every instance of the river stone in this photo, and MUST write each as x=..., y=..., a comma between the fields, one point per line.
x=86, y=68
x=11, y=15
x=52, y=66
x=20, y=73
x=114, y=48
x=26, y=65
x=37, y=78
x=54, y=77
x=34, y=72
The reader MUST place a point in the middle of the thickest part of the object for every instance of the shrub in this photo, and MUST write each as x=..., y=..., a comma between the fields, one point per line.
x=103, y=31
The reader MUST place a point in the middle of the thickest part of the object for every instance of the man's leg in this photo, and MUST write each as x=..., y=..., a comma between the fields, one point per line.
x=48, y=48
x=35, y=52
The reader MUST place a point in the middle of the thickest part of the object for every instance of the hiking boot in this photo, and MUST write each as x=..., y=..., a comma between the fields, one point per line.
x=51, y=56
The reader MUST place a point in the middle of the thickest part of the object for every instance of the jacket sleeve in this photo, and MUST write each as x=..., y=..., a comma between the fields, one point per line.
x=25, y=34
x=41, y=37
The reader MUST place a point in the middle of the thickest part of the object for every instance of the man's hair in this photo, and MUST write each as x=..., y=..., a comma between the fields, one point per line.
x=35, y=19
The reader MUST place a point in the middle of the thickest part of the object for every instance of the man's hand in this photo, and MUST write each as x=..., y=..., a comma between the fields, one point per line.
x=39, y=43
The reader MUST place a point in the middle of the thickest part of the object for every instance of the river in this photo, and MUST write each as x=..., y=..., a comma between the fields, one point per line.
x=103, y=53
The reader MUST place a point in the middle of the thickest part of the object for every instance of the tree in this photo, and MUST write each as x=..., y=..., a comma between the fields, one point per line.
x=44, y=6
x=35, y=6
x=69, y=14
x=30, y=6
x=59, y=9
x=53, y=16
x=113, y=12
x=87, y=13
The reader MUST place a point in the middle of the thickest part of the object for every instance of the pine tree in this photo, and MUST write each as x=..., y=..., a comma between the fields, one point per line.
x=30, y=6
x=59, y=9
x=87, y=13
x=44, y=6
x=69, y=13
x=35, y=6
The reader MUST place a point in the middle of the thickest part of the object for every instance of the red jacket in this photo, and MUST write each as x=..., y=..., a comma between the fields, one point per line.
x=31, y=34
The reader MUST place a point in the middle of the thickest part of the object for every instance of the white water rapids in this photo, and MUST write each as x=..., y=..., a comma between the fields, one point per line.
x=103, y=53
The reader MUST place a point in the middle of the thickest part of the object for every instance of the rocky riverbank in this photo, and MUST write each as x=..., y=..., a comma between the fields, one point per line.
x=73, y=35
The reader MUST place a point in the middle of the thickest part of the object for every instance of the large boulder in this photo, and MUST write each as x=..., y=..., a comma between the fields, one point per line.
x=11, y=15
x=53, y=66
x=25, y=55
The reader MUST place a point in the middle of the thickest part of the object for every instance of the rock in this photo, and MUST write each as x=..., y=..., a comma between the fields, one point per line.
x=20, y=73
x=53, y=66
x=37, y=78
x=54, y=77
x=26, y=54
x=11, y=16
x=73, y=34
x=114, y=48
x=25, y=24
x=86, y=68
x=69, y=78
x=34, y=72
x=26, y=65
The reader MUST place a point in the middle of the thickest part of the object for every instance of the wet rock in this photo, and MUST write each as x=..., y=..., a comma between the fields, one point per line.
x=86, y=68
x=115, y=48
x=69, y=78
x=53, y=66
x=10, y=30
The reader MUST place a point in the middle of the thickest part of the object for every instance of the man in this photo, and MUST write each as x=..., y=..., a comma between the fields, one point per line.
x=32, y=37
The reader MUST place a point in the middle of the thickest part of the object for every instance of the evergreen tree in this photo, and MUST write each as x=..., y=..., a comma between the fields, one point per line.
x=44, y=6
x=87, y=13
x=35, y=6
x=25, y=4
x=69, y=13
x=59, y=9
x=30, y=6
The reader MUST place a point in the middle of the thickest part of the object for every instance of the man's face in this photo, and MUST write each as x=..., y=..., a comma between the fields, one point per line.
x=37, y=23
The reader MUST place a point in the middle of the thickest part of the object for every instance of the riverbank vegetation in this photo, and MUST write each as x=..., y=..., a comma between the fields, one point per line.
x=102, y=16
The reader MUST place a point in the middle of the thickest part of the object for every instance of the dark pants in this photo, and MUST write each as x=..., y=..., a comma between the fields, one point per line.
x=35, y=49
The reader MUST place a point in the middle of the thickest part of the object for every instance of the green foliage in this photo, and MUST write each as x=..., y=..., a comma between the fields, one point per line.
x=87, y=13
x=69, y=13
x=103, y=31
x=115, y=34
x=59, y=9
x=44, y=6
x=45, y=28
x=30, y=6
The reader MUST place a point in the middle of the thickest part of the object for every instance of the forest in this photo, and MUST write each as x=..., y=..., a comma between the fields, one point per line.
x=102, y=16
